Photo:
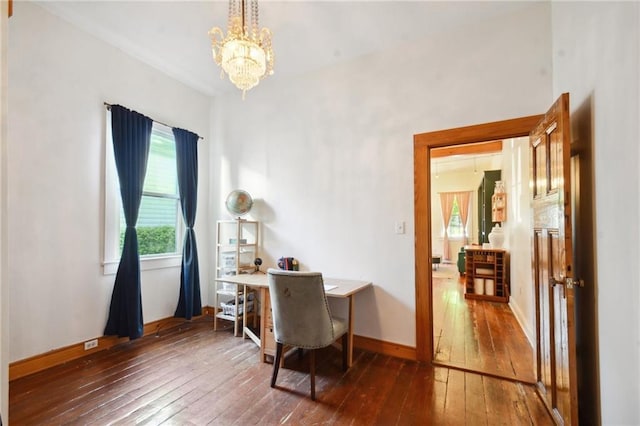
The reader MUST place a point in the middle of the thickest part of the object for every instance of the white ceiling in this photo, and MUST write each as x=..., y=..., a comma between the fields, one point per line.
x=307, y=35
x=468, y=162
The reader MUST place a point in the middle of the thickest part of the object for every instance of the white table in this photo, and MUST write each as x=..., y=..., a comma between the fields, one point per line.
x=339, y=288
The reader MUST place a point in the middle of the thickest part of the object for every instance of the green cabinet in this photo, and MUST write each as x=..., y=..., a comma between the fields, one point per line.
x=485, y=192
x=461, y=261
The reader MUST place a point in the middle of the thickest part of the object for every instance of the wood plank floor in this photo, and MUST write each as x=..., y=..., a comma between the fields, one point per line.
x=191, y=375
x=476, y=334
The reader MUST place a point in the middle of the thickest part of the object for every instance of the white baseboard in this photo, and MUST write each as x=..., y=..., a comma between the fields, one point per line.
x=526, y=328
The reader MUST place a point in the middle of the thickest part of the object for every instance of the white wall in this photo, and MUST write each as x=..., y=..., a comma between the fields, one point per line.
x=517, y=229
x=330, y=155
x=596, y=59
x=59, y=78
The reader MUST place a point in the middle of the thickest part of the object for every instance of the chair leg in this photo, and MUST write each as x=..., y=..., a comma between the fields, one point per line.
x=345, y=351
x=312, y=372
x=276, y=364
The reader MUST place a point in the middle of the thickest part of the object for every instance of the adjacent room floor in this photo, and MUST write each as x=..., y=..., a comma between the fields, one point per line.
x=476, y=334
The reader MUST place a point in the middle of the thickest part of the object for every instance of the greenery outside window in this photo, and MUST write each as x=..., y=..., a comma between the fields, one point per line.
x=456, y=228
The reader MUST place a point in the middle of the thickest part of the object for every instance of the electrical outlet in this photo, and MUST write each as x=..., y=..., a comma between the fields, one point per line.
x=90, y=344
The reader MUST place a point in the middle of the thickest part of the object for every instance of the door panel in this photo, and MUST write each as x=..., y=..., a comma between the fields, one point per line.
x=552, y=262
x=545, y=331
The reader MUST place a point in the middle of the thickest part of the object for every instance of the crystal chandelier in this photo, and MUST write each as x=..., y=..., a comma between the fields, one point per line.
x=245, y=54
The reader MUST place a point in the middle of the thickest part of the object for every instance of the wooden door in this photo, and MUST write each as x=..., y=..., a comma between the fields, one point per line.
x=552, y=263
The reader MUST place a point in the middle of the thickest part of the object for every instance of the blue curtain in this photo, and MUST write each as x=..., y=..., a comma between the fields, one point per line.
x=131, y=139
x=189, y=303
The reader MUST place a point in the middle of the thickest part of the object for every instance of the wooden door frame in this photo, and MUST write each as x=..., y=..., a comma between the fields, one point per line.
x=422, y=145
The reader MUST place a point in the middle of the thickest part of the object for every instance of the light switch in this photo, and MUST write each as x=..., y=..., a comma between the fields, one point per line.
x=399, y=227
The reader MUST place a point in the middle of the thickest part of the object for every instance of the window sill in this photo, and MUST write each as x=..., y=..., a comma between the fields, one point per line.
x=146, y=263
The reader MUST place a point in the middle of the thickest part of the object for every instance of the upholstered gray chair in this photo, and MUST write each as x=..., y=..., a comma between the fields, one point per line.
x=301, y=318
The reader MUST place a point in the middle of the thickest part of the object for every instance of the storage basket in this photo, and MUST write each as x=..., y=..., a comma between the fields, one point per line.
x=229, y=308
x=228, y=260
x=489, y=287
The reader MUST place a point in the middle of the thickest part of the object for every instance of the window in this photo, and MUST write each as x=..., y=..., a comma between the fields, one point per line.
x=160, y=226
x=456, y=227
x=159, y=215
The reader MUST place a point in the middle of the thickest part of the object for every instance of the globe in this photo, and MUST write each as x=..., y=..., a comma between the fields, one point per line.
x=239, y=202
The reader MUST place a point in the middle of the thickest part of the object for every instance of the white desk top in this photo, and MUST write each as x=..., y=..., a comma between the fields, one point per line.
x=344, y=288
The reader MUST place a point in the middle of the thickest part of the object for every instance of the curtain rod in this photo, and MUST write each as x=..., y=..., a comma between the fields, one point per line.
x=108, y=105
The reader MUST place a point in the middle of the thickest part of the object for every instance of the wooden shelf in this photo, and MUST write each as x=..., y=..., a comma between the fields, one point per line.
x=491, y=266
x=499, y=207
x=236, y=250
x=233, y=318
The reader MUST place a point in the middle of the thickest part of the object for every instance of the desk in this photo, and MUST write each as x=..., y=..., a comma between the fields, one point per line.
x=340, y=288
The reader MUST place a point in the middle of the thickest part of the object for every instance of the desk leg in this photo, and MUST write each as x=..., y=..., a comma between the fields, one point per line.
x=255, y=312
x=244, y=311
x=264, y=293
x=215, y=306
x=350, y=352
x=237, y=320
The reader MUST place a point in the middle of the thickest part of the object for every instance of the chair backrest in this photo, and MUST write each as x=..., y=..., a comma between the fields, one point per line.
x=300, y=311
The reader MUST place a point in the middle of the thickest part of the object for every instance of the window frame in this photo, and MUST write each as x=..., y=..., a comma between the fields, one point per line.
x=112, y=208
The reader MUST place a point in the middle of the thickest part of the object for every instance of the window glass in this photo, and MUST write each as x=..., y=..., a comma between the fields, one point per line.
x=456, y=227
x=159, y=215
x=162, y=175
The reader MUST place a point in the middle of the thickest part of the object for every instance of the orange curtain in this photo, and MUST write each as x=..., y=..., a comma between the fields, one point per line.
x=464, y=199
x=446, y=205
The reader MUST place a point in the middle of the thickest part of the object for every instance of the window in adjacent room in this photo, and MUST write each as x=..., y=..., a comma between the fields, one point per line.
x=160, y=226
x=456, y=227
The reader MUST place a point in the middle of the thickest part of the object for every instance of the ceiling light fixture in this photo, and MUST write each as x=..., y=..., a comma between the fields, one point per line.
x=245, y=54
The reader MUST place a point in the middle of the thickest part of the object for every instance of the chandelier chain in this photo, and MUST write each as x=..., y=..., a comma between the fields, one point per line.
x=254, y=19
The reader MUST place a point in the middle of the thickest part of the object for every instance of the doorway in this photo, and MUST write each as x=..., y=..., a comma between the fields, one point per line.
x=487, y=332
x=423, y=146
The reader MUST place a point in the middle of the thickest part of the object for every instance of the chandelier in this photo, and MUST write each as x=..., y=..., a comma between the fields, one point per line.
x=245, y=54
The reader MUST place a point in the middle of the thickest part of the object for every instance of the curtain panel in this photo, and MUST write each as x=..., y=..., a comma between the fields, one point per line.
x=189, y=302
x=131, y=140
x=464, y=199
x=446, y=206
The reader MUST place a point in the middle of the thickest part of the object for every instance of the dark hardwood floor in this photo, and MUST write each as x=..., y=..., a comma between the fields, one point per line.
x=191, y=375
x=477, y=334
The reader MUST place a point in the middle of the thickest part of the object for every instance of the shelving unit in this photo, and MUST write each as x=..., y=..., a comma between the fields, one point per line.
x=483, y=268
x=499, y=207
x=236, y=249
